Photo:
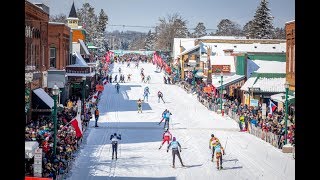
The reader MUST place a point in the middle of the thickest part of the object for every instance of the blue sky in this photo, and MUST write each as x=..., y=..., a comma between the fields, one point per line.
x=147, y=12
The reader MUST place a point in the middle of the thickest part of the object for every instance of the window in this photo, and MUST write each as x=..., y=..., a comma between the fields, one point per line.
x=273, y=47
x=293, y=58
x=235, y=46
x=255, y=46
x=289, y=59
x=53, y=57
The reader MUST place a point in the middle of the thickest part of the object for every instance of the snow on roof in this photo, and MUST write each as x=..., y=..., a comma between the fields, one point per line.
x=219, y=48
x=84, y=47
x=44, y=96
x=290, y=21
x=226, y=79
x=59, y=23
x=222, y=37
x=92, y=47
x=224, y=60
x=264, y=66
x=80, y=74
x=186, y=43
x=79, y=61
x=265, y=84
x=281, y=97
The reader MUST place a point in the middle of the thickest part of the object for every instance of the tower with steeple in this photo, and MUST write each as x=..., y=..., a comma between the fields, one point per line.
x=73, y=19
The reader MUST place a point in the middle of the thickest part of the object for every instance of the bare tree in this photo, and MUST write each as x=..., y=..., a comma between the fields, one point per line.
x=227, y=27
x=58, y=18
x=173, y=26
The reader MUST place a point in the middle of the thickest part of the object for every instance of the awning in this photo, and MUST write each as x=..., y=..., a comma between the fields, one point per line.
x=84, y=47
x=281, y=97
x=44, y=97
x=30, y=147
x=227, y=80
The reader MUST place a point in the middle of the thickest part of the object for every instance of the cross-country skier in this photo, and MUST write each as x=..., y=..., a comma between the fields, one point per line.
x=119, y=70
x=160, y=95
x=114, y=141
x=166, y=120
x=219, y=151
x=139, y=103
x=163, y=116
x=148, y=79
x=146, y=93
x=176, y=147
x=166, y=136
x=117, y=86
x=212, y=142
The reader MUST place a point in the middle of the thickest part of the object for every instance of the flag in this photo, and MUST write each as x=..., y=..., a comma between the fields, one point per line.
x=272, y=107
x=76, y=123
x=105, y=81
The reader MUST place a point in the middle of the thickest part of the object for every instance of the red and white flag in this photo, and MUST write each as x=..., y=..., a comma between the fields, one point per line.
x=104, y=81
x=272, y=107
x=76, y=123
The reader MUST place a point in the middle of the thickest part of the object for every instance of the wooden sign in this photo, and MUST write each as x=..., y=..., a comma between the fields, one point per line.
x=219, y=68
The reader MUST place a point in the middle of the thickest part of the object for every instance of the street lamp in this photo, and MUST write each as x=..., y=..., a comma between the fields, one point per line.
x=221, y=90
x=55, y=92
x=83, y=92
x=286, y=116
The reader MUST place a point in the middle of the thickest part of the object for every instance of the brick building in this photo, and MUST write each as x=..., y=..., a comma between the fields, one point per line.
x=37, y=101
x=290, y=64
x=59, y=45
x=59, y=57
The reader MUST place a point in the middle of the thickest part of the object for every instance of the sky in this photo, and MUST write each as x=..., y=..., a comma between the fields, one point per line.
x=147, y=12
x=139, y=156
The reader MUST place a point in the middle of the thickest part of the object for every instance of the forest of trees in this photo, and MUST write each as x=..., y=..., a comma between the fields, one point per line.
x=169, y=27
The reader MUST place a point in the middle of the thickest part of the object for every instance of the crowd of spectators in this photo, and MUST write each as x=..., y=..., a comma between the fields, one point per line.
x=246, y=115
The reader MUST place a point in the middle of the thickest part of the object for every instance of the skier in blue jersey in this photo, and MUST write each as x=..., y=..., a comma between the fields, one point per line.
x=176, y=149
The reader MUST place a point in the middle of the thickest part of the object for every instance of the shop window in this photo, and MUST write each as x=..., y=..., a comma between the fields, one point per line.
x=53, y=57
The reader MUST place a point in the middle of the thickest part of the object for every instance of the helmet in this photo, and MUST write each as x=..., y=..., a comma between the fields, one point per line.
x=115, y=134
x=174, y=138
x=212, y=135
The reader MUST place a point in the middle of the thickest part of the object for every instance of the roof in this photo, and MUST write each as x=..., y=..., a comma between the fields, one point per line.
x=92, y=47
x=281, y=97
x=44, y=96
x=290, y=21
x=265, y=84
x=79, y=61
x=81, y=74
x=73, y=12
x=226, y=80
x=219, y=48
x=262, y=66
x=222, y=37
x=84, y=47
x=186, y=43
x=56, y=23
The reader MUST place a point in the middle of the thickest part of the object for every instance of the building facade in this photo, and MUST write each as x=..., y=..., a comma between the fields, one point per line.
x=290, y=63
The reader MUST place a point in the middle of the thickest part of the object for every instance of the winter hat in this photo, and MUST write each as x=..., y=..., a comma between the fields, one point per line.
x=174, y=138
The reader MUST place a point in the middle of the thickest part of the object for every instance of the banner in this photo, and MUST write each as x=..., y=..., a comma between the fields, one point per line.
x=254, y=102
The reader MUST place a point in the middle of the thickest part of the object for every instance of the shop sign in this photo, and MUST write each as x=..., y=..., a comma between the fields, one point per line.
x=219, y=68
x=254, y=102
x=37, y=166
x=264, y=110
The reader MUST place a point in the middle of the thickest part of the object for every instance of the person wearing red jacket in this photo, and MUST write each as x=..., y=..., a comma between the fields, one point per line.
x=166, y=136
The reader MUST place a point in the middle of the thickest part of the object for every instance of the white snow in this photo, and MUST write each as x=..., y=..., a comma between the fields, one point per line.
x=267, y=66
x=265, y=84
x=247, y=157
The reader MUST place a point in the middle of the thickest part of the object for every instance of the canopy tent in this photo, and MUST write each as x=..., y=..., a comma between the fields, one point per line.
x=41, y=100
x=30, y=147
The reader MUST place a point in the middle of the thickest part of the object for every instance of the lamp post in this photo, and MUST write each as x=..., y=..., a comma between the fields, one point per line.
x=221, y=89
x=83, y=92
x=286, y=116
x=55, y=92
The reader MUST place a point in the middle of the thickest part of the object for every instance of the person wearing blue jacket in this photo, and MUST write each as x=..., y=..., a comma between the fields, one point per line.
x=166, y=119
x=146, y=93
x=176, y=149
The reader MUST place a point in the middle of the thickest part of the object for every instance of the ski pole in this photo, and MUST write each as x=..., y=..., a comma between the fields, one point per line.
x=225, y=147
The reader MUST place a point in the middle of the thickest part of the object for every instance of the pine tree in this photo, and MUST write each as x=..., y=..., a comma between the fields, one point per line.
x=149, y=41
x=227, y=27
x=102, y=21
x=88, y=20
x=199, y=31
x=279, y=33
x=262, y=22
x=247, y=29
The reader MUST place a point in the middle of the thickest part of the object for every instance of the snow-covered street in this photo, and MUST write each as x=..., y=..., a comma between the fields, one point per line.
x=247, y=157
